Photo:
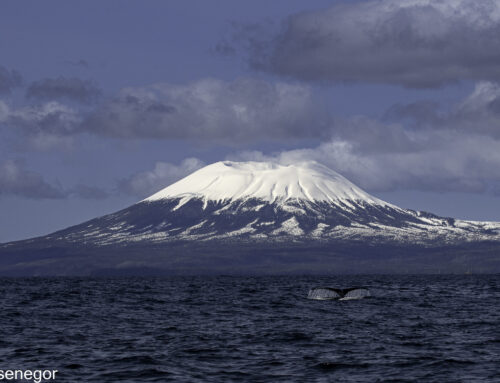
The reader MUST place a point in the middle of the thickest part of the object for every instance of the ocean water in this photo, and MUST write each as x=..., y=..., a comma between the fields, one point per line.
x=253, y=329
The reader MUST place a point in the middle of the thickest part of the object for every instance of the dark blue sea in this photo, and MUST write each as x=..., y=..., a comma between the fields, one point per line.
x=253, y=329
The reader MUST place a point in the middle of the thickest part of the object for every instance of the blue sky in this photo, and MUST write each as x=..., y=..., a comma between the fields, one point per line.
x=104, y=102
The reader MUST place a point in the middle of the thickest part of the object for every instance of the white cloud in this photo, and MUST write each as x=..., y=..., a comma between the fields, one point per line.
x=232, y=112
x=460, y=162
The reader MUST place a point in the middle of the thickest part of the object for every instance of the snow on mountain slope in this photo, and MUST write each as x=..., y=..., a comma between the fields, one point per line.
x=259, y=217
x=268, y=202
x=266, y=181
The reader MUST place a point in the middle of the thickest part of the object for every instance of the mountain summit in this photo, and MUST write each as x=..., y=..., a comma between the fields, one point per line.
x=265, y=201
x=235, y=216
x=267, y=181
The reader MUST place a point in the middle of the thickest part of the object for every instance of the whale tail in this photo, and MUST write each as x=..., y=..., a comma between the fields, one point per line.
x=327, y=293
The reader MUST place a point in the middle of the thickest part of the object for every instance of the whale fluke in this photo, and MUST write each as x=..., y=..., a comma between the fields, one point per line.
x=325, y=293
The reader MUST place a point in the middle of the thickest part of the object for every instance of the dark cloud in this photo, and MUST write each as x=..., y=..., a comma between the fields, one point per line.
x=44, y=126
x=215, y=111
x=74, y=89
x=16, y=180
x=145, y=183
x=414, y=43
x=9, y=80
x=478, y=113
x=48, y=118
x=232, y=112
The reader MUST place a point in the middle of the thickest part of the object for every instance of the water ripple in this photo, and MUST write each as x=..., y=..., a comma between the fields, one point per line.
x=225, y=329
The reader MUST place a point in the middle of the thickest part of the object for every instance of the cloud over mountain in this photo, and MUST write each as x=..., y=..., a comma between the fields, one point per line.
x=421, y=145
x=413, y=43
x=210, y=111
x=428, y=160
x=215, y=110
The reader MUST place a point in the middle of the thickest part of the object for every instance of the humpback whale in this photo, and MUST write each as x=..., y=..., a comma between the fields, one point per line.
x=325, y=293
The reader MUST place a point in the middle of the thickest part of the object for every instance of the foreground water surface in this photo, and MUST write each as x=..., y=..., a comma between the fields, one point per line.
x=258, y=329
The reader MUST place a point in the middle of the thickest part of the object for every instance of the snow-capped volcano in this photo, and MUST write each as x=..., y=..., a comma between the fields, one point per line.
x=269, y=202
x=270, y=182
x=255, y=216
